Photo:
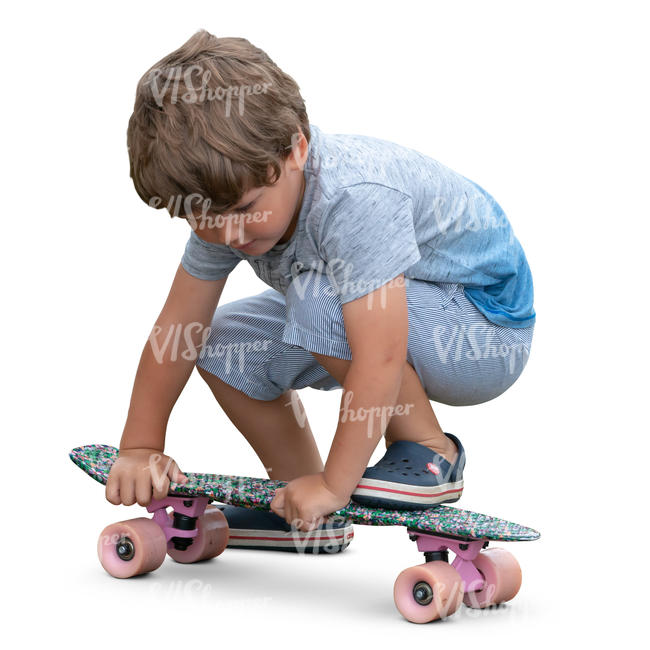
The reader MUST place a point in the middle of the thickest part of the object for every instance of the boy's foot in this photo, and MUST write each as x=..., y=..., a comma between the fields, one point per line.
x=264, y=530
x=411, y=476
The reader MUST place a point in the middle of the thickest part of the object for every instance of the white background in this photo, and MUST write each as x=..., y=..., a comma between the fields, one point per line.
x=545, y=105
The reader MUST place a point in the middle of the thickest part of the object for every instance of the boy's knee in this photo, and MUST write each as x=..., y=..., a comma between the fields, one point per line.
x=204, y=374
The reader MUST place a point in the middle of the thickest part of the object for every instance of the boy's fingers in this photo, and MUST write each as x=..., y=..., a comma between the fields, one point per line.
x=277, y=505
x=296, y=522
x=160, y=487
x=127, y=491
x=277, y=502
x=175, y=474
x=143, y=489
x=308, y=524
x=160, y=481
x=291, y=516
x=113, y=491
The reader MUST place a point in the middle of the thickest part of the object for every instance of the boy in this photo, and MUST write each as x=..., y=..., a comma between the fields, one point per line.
x=393, y=277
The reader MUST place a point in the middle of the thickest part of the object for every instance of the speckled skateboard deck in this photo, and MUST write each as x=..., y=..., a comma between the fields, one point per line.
x=257, y=493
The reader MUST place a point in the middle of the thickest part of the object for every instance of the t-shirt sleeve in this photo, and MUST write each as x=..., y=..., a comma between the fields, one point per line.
x=208, y=261
x=367, y=239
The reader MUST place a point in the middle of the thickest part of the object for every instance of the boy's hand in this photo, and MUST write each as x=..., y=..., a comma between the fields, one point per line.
x=305, y=501
x=139, y=474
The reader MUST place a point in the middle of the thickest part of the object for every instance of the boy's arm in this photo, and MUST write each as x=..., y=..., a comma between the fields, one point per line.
x=377, y=332
x=141, y=469
x=376, y=327
x=168, y=358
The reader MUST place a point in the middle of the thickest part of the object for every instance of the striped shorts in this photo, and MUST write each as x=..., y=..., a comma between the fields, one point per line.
x=262, y=344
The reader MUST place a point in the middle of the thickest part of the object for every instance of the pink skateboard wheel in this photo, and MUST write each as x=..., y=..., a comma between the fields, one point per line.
x=502, y=575
x=130, y=548
x=428, y=591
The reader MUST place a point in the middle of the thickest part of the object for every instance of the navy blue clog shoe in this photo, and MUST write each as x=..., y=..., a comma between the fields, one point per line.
x=411, y=476
x=264, y=530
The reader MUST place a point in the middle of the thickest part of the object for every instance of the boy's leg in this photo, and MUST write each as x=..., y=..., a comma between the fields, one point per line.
x=419, y=425
x=253, y=375
x=287, y=449
x=455, y=355
x=285, y=446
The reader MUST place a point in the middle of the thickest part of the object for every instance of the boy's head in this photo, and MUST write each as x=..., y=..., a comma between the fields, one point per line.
x=216, y=124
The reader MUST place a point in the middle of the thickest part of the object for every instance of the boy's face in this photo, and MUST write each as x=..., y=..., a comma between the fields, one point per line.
x=264, y=216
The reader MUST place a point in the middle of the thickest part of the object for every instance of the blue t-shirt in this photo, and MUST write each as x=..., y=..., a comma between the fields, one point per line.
x=373, y=209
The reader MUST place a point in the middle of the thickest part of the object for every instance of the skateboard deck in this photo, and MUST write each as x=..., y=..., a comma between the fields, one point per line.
x=257, y=493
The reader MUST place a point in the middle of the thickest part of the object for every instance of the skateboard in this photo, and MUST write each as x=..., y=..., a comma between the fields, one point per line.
x=194, y=530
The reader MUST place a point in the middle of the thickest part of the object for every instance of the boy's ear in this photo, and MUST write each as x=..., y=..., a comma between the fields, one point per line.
x=299, y=151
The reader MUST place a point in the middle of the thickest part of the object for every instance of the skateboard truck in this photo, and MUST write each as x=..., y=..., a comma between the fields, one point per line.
x=436, y=547
x=181, y=529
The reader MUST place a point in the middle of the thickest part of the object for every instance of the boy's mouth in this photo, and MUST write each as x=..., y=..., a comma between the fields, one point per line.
x=245, y=246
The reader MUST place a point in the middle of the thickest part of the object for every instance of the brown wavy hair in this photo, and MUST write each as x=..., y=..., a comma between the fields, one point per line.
x=211, y=120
